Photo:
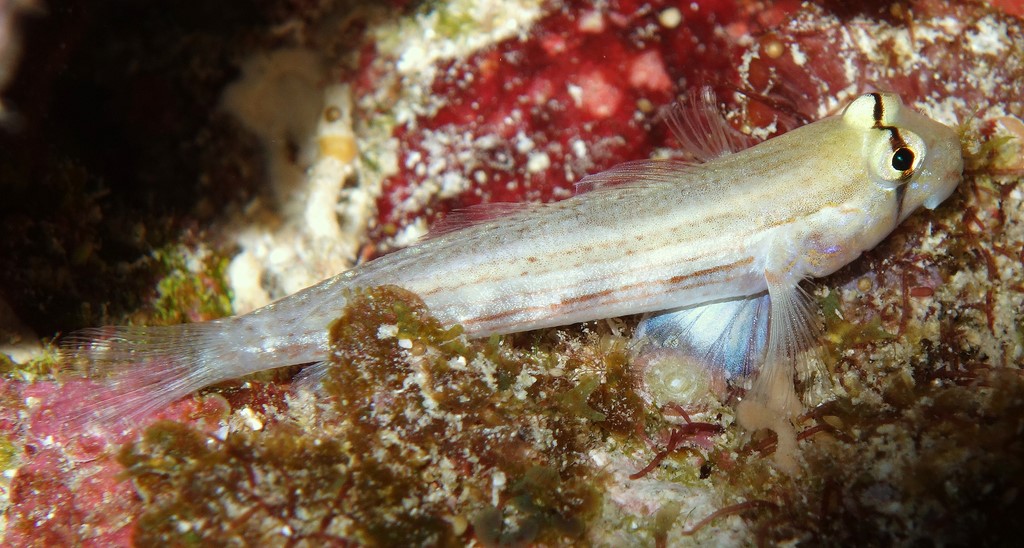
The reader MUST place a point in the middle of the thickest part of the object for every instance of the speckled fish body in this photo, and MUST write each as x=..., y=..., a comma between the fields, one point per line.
x=646, y=236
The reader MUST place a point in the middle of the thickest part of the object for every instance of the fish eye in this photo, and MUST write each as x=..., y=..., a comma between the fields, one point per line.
x=895, y=156
x=902, y=159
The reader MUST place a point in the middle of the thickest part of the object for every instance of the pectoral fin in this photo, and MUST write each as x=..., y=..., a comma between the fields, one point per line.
x=771, y=334
x=772, y=401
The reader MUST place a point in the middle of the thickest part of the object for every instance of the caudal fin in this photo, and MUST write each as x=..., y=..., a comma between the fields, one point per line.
x=143, y=369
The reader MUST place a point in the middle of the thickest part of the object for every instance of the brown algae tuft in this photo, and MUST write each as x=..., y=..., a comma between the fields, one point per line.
x=468, y=432
x=429, y=439
x=244, y=489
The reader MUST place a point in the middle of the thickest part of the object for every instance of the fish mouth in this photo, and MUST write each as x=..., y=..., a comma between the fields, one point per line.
x=937, y=198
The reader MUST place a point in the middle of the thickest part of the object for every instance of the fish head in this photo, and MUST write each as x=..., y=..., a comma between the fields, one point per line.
x=916, y=158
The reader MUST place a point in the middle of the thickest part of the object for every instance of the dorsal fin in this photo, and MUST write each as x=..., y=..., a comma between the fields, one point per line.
x=473, y=215
x=637, y=172
x=702, y=129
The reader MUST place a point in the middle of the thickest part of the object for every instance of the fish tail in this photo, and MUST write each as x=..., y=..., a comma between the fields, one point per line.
x=145, y=368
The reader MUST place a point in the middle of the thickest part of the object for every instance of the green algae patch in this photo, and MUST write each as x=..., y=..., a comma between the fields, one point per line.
x=194, y=287
x=9, y=454
x=45, y=364
x=842, y=333
x=617, y=397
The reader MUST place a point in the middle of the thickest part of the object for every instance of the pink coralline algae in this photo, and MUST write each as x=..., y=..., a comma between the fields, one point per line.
x=525, y=119
x=581, y=90
x=65, y=490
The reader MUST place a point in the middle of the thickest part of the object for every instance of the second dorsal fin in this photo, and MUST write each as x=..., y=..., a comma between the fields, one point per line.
x=476, y=214
x=698, y=124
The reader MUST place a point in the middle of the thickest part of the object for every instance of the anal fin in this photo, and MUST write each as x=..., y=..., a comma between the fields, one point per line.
x=726, y=337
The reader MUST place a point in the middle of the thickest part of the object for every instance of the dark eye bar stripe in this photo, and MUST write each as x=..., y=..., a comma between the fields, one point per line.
x=879, y=109
x=901, y=192
x=896, y=142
